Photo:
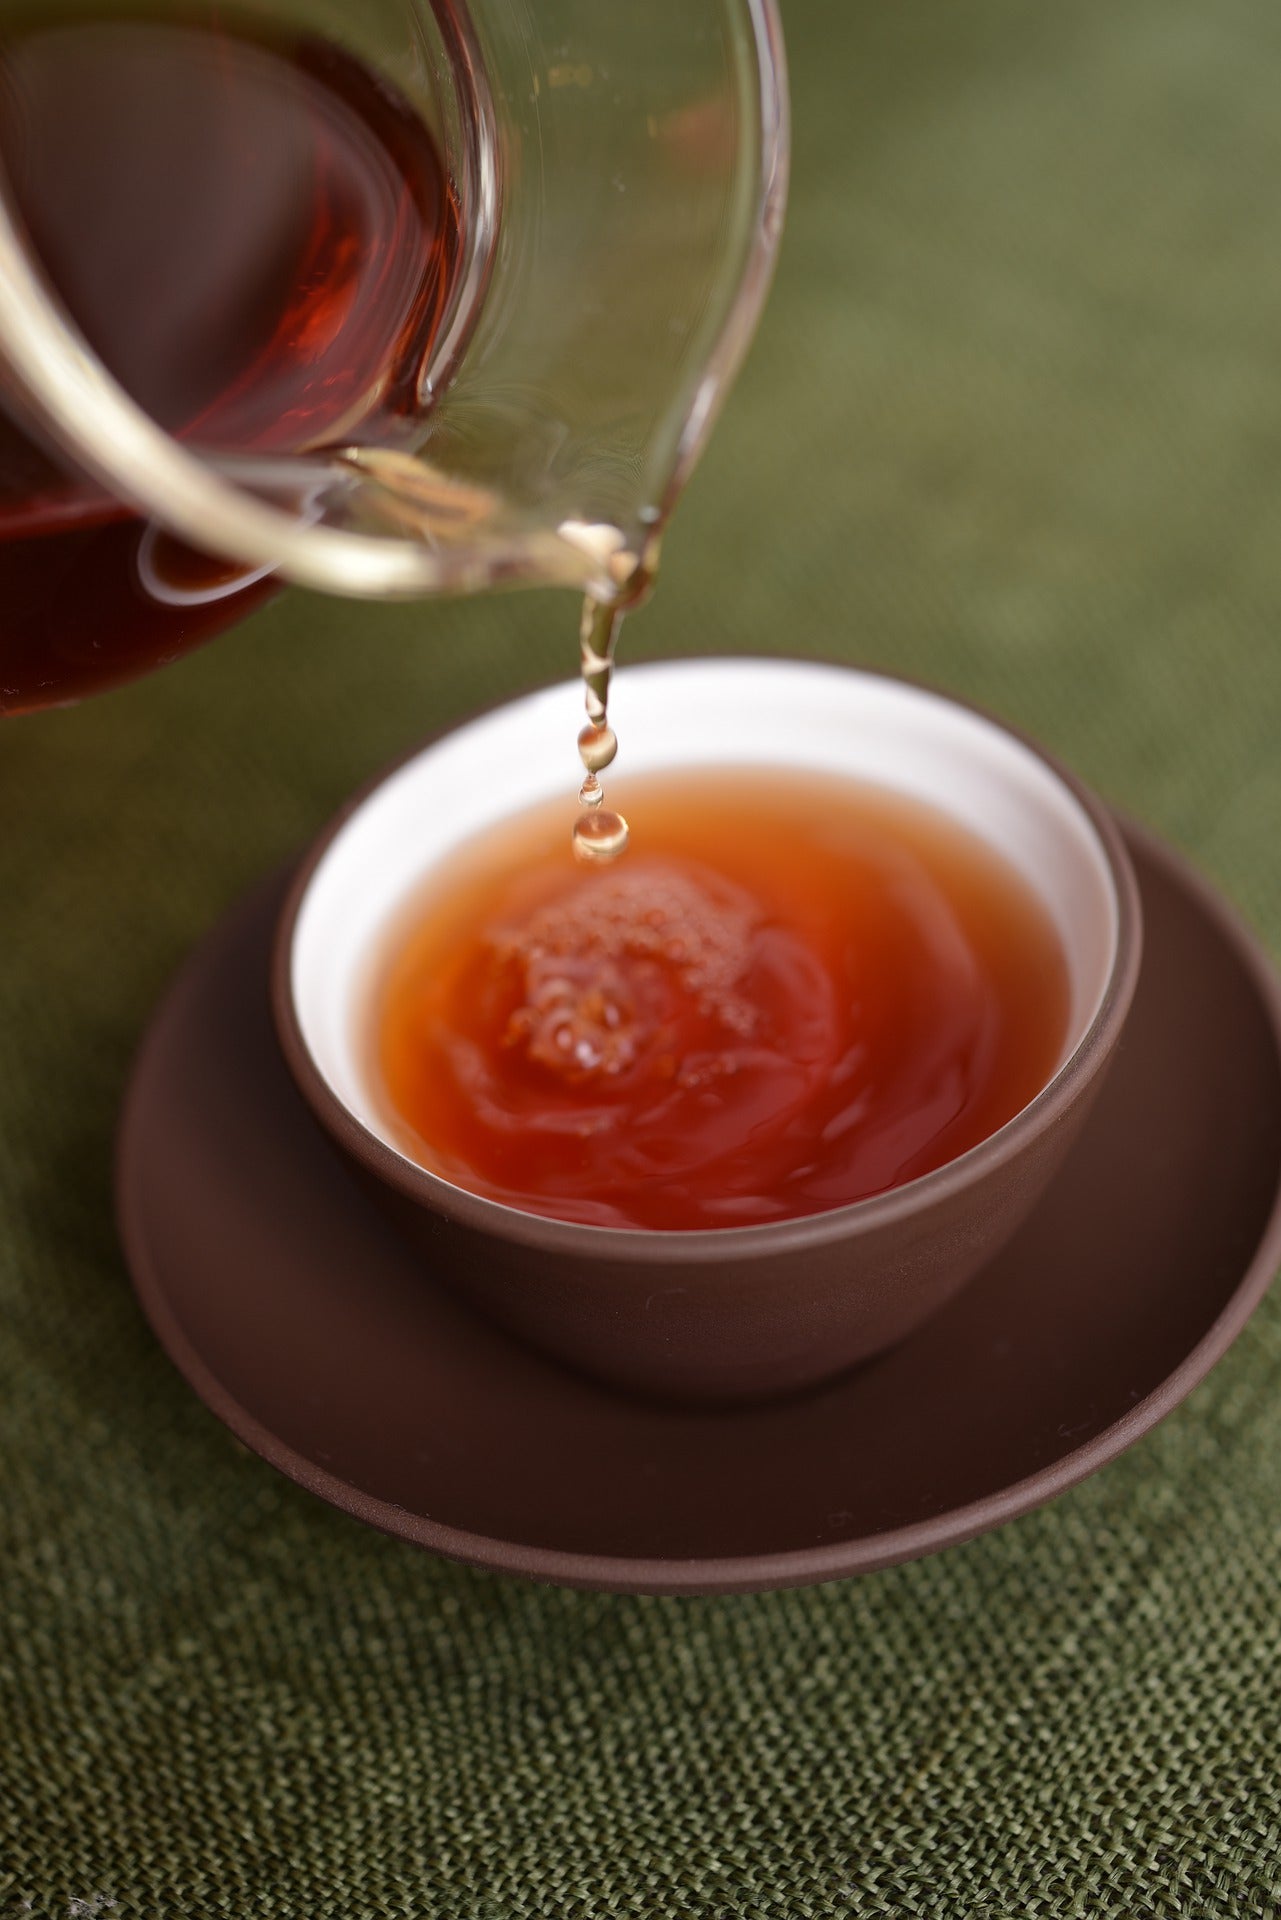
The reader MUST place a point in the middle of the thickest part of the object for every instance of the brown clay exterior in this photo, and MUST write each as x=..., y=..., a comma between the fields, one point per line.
x=718, y=1329
x=302, y=1318
x=732, y=1315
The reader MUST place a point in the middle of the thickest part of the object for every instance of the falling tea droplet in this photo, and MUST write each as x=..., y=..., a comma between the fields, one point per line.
x=599, y=836
x=597, y=745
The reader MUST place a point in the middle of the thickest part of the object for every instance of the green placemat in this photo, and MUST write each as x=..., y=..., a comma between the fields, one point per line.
x=1013, y=424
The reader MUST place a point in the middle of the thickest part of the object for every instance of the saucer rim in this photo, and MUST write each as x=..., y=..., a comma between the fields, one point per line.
x=744, y=1573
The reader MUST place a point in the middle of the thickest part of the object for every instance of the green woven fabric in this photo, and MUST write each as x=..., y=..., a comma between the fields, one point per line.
x=1013, y=424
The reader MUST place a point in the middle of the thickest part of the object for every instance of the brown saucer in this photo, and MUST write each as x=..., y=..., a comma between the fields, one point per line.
x=292, y=1309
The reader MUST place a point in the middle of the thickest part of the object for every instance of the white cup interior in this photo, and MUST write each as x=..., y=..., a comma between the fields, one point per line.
x=773, y=713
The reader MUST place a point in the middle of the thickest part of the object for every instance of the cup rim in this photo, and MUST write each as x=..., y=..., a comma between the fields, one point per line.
x=854, y=1220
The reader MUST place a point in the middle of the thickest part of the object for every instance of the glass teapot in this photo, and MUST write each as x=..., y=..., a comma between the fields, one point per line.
x=389, y=299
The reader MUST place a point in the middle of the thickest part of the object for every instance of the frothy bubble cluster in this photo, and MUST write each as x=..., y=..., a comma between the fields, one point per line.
x=604, y=967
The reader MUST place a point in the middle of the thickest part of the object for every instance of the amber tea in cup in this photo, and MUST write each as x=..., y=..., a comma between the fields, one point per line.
x=797, y=990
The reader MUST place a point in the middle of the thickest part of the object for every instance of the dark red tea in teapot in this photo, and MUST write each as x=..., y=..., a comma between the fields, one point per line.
x=257, y=237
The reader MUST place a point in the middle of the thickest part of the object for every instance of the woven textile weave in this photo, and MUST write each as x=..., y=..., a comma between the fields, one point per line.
x=1013, y=424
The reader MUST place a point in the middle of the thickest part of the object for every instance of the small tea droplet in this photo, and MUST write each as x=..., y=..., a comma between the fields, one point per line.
x=599, y=836
x=597, y=747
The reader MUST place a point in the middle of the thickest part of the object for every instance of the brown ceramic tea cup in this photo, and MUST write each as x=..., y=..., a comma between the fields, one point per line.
x=715, y=1314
